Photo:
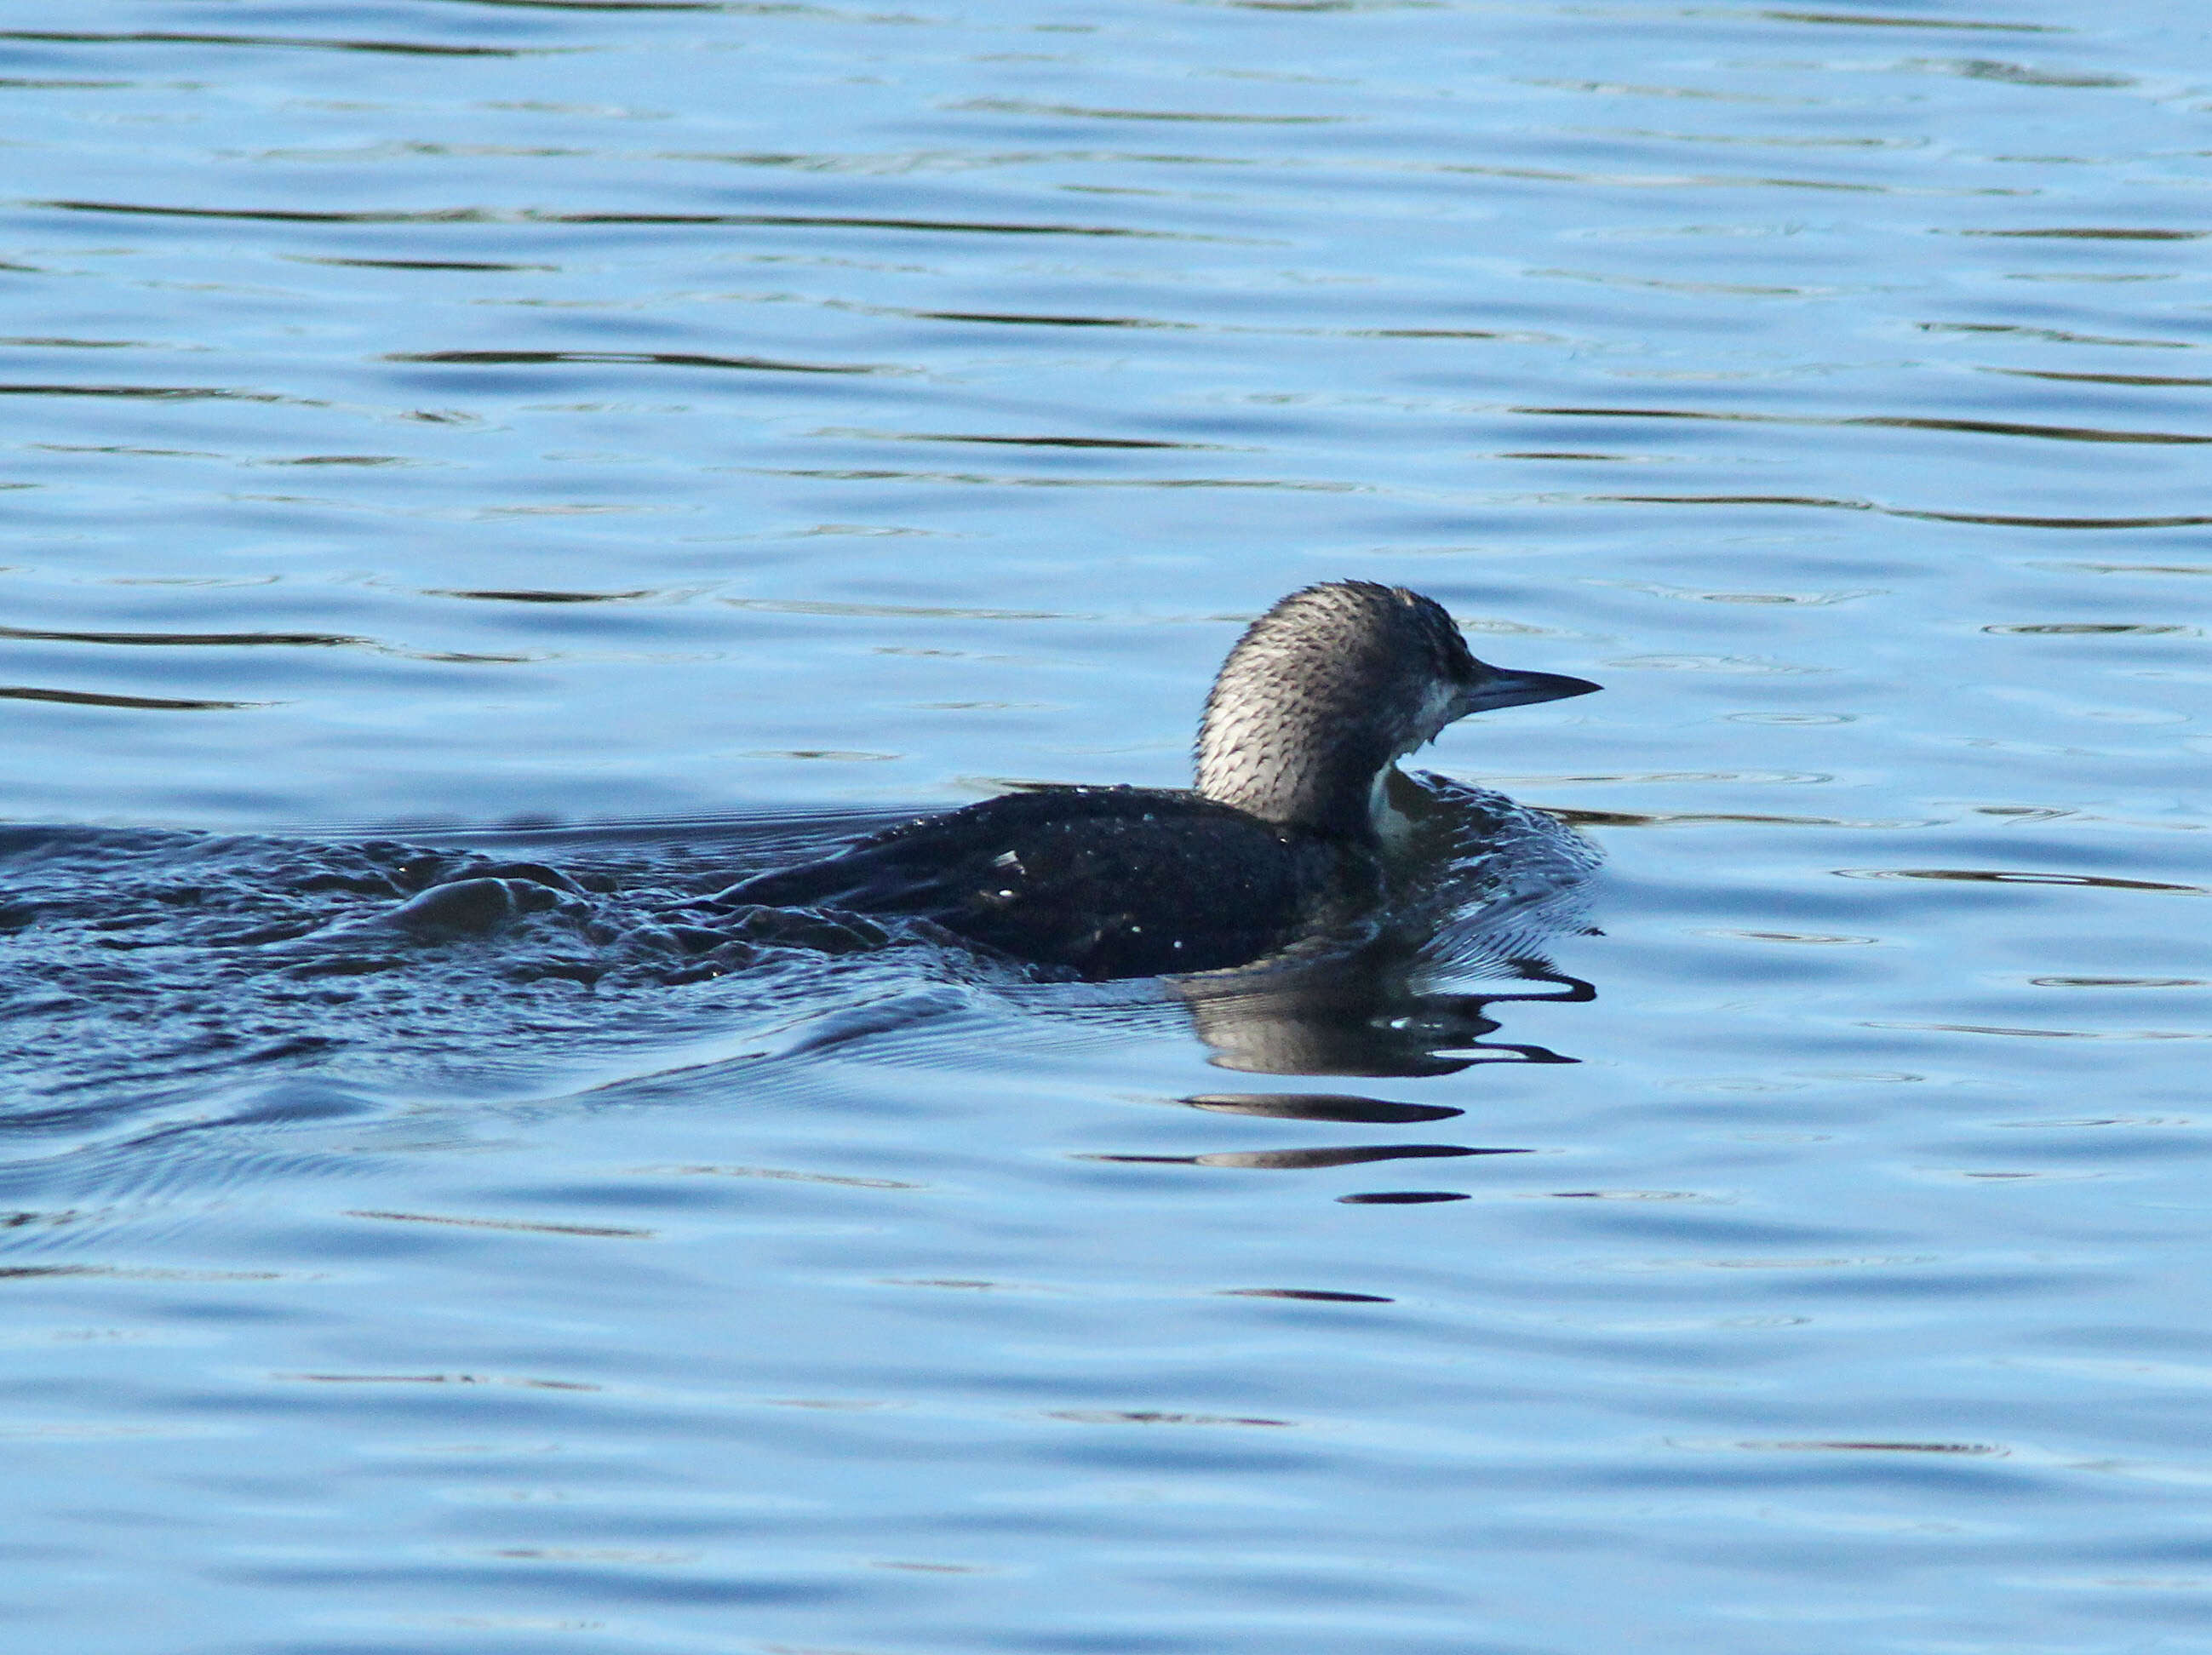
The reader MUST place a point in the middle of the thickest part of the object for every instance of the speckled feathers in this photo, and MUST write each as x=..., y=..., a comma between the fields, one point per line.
x=1324, y=689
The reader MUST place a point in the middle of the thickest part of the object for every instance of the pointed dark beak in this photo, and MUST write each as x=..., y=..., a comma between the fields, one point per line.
x=1505, y=688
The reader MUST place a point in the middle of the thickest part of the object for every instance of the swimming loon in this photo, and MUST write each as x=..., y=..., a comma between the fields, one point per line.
x=1289, y=820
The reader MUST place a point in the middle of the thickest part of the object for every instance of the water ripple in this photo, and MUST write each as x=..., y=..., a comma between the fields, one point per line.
x=136, y=703
x=623, y=358
x=1896, y=422
x=154, y=37
x=484, y=216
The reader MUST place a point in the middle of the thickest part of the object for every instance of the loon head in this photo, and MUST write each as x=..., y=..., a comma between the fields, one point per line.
x=1330, y=686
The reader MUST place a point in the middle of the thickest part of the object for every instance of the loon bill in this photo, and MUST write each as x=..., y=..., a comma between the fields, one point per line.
x=1316, y=702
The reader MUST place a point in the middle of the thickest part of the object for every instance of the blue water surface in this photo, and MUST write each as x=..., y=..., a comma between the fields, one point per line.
x=644, y=441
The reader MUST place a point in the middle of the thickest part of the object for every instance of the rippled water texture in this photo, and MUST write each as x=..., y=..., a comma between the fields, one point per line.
x=600, y=447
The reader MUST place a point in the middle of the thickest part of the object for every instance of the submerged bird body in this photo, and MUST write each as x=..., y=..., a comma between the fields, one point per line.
x=1288, y=823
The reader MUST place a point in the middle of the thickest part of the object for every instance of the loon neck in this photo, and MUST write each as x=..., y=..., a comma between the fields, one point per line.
x=1291, y=758
x=1352, y=808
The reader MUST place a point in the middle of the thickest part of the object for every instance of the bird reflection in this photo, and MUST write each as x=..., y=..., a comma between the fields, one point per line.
x=1321, y=1106
x=1494, y=882
x=1365, y=1017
